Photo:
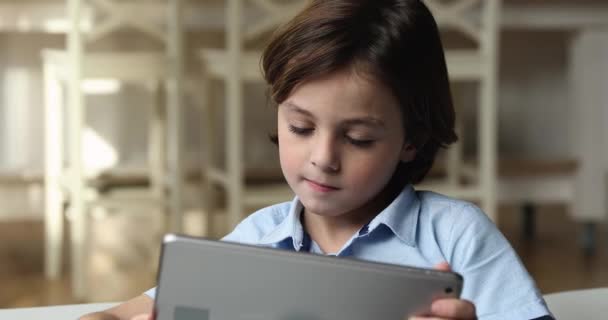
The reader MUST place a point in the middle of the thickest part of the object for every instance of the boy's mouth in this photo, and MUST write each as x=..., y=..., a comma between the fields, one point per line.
x=321, y=187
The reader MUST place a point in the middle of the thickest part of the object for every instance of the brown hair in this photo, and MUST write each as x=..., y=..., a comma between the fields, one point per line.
x=395, y=41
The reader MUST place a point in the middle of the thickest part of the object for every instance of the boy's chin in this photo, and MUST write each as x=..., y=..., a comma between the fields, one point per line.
x=322, y=209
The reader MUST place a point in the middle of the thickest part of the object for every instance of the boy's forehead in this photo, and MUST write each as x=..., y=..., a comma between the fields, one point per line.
x=346, y=92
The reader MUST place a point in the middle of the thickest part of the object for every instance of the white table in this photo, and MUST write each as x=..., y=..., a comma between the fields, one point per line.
x=587, y=304
x=570, y=305
x=65, y=312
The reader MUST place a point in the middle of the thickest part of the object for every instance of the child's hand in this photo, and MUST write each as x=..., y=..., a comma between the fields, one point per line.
x=449, y=308
x=142, y=317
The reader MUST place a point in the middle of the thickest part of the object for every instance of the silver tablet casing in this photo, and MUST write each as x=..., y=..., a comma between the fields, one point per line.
x=202, y=279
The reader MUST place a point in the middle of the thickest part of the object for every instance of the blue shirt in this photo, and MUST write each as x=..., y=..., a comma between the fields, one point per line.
x=423, y=229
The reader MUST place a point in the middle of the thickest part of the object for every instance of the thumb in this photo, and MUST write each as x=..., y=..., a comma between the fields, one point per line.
x=144, y=316
x=444, y=266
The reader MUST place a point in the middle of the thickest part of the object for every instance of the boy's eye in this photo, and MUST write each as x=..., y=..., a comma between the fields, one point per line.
x=300, y=131
x=359, y=142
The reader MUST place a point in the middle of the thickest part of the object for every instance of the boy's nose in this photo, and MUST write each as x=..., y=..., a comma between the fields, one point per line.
x=325, y=155
x=329, y=167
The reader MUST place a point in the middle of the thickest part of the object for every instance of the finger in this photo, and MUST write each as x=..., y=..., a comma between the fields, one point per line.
x=424, y=318
x=444, y=266
x=142, y=317
x=453, y=309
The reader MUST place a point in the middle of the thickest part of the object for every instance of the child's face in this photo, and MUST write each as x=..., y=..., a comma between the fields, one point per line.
x=340, y=140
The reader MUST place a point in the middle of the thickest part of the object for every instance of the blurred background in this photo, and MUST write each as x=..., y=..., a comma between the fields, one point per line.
x=121, y=120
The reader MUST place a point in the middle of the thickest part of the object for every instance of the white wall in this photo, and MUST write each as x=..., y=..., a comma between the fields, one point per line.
x=534, y=94
x=20, y=99
x=120, y=119
x=589, y=77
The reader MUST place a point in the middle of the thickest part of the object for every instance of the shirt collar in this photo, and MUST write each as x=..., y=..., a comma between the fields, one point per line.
x=290, y=227
x=401, y=217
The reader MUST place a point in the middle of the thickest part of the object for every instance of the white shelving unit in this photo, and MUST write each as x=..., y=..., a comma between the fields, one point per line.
x=235, y=66
x=71, y=184
x=479, y=21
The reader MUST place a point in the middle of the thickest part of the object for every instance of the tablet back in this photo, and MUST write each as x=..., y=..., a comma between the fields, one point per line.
x=210, y=280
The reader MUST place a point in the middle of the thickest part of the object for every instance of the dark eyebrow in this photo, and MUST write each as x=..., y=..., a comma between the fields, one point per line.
x=364, y=121
x=295, y=108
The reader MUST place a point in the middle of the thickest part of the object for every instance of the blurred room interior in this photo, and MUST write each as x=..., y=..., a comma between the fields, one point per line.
x=171, y=117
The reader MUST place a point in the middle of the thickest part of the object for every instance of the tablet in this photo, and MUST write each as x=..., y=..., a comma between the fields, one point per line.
x=203, y=279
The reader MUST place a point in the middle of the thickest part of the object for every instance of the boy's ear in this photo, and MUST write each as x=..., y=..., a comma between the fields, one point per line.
x=408, y=152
